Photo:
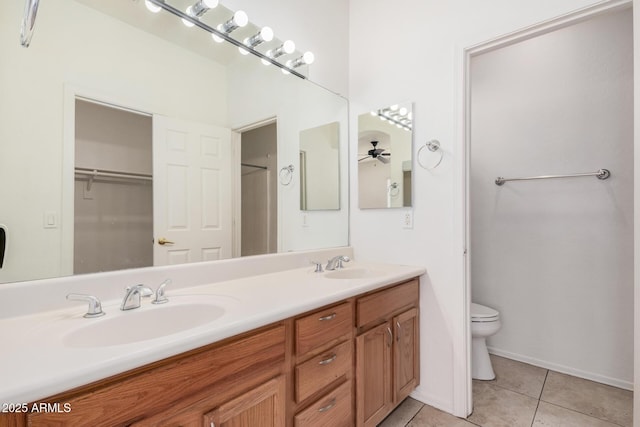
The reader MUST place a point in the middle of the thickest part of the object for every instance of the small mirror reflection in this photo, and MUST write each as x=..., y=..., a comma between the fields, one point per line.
x=319, y=168
x=385, y=157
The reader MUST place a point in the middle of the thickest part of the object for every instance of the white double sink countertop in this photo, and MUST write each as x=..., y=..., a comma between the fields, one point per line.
x=51, y=352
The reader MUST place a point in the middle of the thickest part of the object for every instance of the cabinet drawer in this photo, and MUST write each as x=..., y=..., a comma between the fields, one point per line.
x=322, y=370
x=323, y=326
x=379, y=306
x=334, y=409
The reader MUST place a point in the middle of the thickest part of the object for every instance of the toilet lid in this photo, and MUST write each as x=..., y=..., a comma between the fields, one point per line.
x=483, y=313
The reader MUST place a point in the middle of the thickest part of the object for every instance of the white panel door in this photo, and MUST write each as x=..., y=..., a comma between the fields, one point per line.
x=191, y=191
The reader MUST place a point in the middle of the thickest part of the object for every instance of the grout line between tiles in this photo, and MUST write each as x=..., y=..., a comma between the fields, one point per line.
x=544, y=383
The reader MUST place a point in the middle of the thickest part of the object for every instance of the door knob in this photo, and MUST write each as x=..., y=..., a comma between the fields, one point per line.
x=163, y=241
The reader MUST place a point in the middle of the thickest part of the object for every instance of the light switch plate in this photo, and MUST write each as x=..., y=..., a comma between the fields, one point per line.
x=50, y=219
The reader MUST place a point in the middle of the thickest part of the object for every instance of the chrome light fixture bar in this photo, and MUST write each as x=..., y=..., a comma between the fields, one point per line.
x=221, y=34
x=399, y=117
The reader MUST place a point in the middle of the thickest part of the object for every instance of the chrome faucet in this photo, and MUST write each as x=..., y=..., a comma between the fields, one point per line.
x=336, y=262
x=132, y=297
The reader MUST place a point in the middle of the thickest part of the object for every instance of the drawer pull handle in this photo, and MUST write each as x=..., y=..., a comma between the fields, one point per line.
x=329, y=317
x=399, y=331
x=331, y=404
x=390, y=337
x=328, y=360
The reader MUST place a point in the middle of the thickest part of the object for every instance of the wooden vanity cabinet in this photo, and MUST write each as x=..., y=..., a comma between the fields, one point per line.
x=185, y=390
x=387, y=351
x=349, y=363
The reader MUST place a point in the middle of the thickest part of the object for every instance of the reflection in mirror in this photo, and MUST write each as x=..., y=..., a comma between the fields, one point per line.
x=195, y=97
x=385, y=157
x=320, y=168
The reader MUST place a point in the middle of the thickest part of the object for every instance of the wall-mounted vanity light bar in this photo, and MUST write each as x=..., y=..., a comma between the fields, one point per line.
x=399, y=116
x=222, y=32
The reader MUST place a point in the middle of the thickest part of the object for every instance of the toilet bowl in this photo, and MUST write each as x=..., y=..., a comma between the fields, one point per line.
x=485, y=321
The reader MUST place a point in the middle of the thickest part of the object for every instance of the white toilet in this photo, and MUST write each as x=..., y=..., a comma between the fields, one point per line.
x=485, y=322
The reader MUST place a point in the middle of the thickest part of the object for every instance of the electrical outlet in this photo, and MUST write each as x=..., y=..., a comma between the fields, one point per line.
x=407, y=219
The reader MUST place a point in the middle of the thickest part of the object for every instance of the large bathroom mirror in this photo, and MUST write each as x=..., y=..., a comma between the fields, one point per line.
x=320, y=168
x=385, y=160
x=114, y=64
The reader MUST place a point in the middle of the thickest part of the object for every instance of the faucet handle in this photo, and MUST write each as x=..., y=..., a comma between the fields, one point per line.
x=318, y=267
x=95, y=308
x=160, y=297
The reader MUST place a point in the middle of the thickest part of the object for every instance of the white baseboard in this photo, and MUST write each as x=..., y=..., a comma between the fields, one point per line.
x=431, y=400
x=615, y=382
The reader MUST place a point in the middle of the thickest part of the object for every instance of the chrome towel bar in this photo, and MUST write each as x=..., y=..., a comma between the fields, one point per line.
x=600, y=174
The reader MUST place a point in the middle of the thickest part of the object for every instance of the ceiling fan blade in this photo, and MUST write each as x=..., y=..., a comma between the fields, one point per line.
x=384, y=160
x=385, y=154
x=364, y=158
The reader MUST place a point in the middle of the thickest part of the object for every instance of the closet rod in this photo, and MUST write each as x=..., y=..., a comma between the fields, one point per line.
x=114, y=174
x=600, y=174
x=254, y=166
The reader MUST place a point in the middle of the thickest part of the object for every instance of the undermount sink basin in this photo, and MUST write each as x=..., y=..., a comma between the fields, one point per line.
x=351, y=273
x=142, y=324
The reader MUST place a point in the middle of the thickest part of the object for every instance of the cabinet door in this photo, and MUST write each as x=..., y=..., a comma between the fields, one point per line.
x=406, y=354
x=373, y=375
x=260, y=407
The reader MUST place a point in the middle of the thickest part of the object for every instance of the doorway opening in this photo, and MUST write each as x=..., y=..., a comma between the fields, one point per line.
x=259, y=189
x=113, y=196
x=541, y=103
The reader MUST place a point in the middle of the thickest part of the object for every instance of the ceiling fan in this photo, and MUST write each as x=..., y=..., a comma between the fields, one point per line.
x=377, y=153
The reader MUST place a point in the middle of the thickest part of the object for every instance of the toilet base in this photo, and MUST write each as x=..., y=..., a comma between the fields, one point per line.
x=481, y=368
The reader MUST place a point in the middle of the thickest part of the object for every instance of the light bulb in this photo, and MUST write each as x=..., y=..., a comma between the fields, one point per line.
x=403, y=111
x=152, y=7
x=241, y=18
x=308, y=57
x=266, y=33
x=374, y=113
x=187, y=23
x=288, y=46
x=217, y=38
x=243, y=50
x=265, y=62
x=394, y=107
x=285, y=71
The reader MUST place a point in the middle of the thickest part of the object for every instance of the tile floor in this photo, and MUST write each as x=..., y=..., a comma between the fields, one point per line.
x=527, y=396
